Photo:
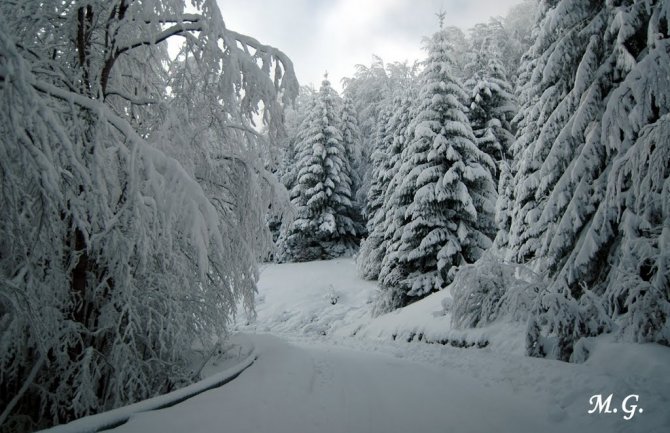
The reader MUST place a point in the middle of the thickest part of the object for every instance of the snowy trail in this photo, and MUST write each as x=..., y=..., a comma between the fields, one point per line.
x=314, y=376
x=296, y=388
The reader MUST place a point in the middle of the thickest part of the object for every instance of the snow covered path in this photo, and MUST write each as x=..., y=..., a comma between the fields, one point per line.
x=313, y=375
x=295, y=388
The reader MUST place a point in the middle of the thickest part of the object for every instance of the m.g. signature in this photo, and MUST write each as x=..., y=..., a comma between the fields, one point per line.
x=598, y=405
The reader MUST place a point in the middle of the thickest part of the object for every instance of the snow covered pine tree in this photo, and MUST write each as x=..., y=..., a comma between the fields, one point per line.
x=371, y=252
x=492, y=105
x=381, y=239
x=351, y=141
x=446, y=181
x=323, y=227
x=492, y=108
x=594, y=181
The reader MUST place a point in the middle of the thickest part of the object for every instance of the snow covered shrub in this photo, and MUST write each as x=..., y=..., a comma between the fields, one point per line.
x=560, y=322
x=489, y=289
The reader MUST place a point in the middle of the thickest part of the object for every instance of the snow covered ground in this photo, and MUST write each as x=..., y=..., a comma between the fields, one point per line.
x=327, y=298
x=330, y=367
x=312, y=387
x=296, y=302
x=308, y=386
x=237, y=354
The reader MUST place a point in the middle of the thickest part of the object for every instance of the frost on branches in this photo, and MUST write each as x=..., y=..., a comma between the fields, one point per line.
x=115, y=257
x=323, y=227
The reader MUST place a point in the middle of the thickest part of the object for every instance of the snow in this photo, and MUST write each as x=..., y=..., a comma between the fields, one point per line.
x=331, y=367
x=311, y=387
x=216, y=373
x=295, y=298
x=551, y=395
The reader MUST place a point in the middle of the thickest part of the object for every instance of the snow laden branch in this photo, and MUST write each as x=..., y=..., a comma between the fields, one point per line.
x=178, y=29
x=124, y=227
x=590, y=173
x=287, y=87
x=114, y=260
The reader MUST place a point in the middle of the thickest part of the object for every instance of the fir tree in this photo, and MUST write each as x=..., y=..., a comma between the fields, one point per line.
x=351, y=141
x=371, y=91
x=394, y=207
x=597, y=174
x=492, y=107
x=449, y=190
x=323, y=227
x=369, y=259
x=294, y=124
x=503, y=214
x=391, y=141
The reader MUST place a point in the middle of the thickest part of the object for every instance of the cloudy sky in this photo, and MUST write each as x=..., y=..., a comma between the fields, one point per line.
x=335, y=35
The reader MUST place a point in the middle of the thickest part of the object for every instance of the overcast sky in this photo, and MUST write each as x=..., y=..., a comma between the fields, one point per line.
x=335, y=35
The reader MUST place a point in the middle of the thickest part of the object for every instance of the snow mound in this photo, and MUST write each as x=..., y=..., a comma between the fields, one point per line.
x=429, y=321
x=329, y=298
x=311, y=298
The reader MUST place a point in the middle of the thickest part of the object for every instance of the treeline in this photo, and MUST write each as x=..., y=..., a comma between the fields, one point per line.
x=527, y=165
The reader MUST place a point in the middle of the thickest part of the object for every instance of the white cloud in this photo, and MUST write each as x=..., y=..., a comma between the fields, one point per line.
x=320, y=35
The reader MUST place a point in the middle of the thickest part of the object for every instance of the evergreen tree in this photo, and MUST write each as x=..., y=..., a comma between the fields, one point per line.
x=394, y=207
x=524, y=122
x=369, y=259
x=449, y=218
x=351, y=141
x=518, y=37
x=323, y=227
x=294, y=118
x=503, y=214
x=391, y=140
x=459, y=50
x=555, y=55
x=371, y=91
x=596, y=174
x=492, y=107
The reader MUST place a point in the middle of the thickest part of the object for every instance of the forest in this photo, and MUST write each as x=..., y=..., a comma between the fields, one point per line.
x=151, y=158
